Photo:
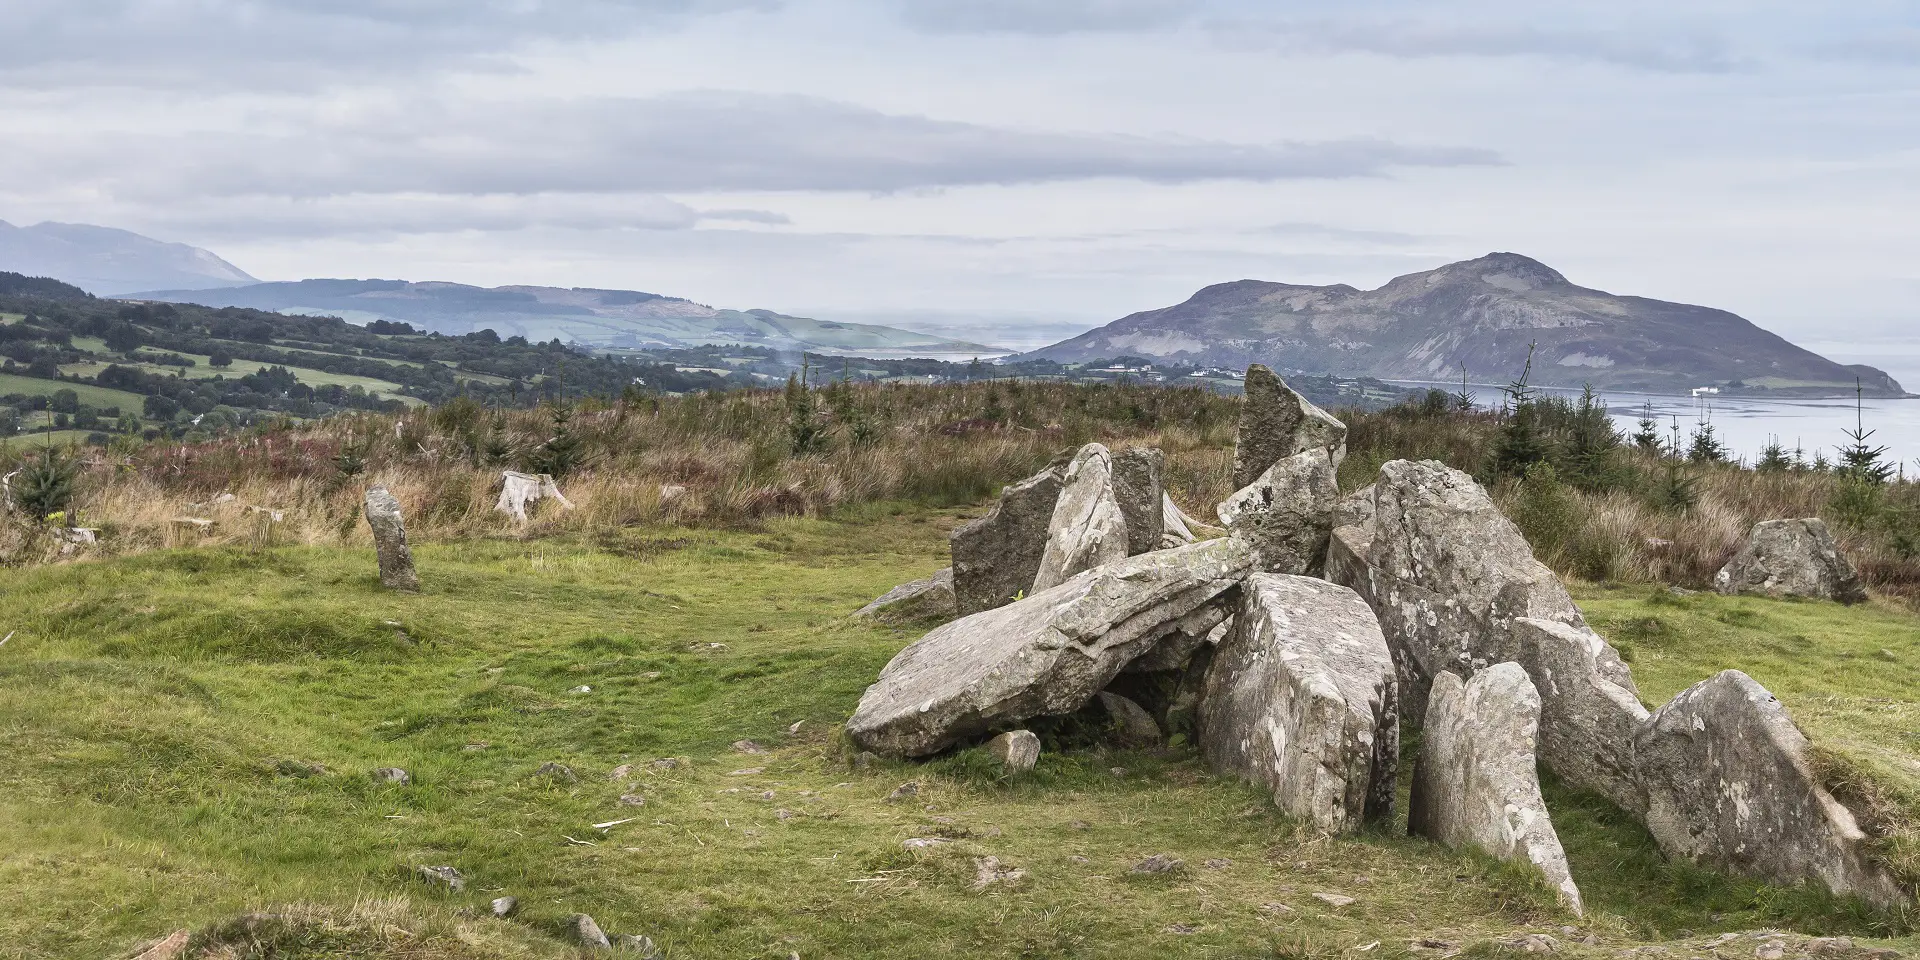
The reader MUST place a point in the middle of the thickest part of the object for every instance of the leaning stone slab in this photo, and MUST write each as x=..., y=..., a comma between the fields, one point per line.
x=1588, y=716
x=1141, y=495
x=1018, y=751
x=1046, y=654
x=1087, y=528
x=1299, y=698
x=1728, y=785
x=1276, y=423
x=997, y=556
x=1287, y=513
x=1791, y=558
x=1476, y=783
x=390, y=540
x=920, y=599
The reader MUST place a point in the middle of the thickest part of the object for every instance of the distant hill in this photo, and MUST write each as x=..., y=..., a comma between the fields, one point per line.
x=106, y=261
x=604, y=319
x=40, y=288
x=1481, y=315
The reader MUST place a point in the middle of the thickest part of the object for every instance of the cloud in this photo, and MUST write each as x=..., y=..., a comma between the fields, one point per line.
x=1646, y=48
x=1901, y=47
x=284, y=44
x=1043, y=17
x=696, y=142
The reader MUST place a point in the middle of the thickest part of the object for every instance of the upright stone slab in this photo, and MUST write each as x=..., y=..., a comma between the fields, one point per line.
x=1142, y=496
x=1276, y=423
x=1299, y=698
x=1287, y=513
x=1791, y=558
x=1044, y=655
x=1476, y=782
x=997, y=556
x=1728, y=785
x=1588, y=718
x=1087, y=529
x=390, y=540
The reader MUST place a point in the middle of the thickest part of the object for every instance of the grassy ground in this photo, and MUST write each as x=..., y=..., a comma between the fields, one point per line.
x=38, y=438
x=88, y=393
x=205, y=370
x=186, y=736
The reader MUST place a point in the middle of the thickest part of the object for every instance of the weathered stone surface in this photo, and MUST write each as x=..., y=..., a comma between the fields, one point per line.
x=443, y=876
x=1300, y=699
x=393, y=775
x=1276, y=423
x=1354, y=508
x=1287, y=513
x=1588, y=717
x=1137, y=726
x=1017, y=750
x=390, y=540
x=1791, y=558
x=519, y=489
x=918, y=600
x=998, y=555
x=587, y=933
x=1728, y=785
x=1476, y=782
x=1142, y=497
x=1446, y=573
x=1181, y=638
x=504, y=906
x=1087, y=529
x=1046, y=654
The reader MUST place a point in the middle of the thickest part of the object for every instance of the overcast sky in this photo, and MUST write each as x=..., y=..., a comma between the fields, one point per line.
x=1033, y=161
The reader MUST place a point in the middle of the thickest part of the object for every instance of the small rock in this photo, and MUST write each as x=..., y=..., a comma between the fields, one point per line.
x=665, y=763
x=1180, y=929
x=1531, y=943
x=393, y=775
x=795, y=728
x=1276, y=908
x=864, y=760
x=476, y=746
x=583, y=688
x=445, y=876
x=169, y=948
x=1117, y=771
x=1079, y=859
x=784, y=814
x=1017, y=750
x=651, y=675
x=767, y=795
x=1333, y=899
x=988, y=871
x=1429, y=943
x=904, y=791
x=924, y=843
x=621, y=772
x=505, y=906
x=748, y=746
x=632, y=800
x=1217, y=863
x=1159, y=863
x=557, y=771
x=1078, y=825
x=747, y=772
x=635, y=943
x=1827, y=946
x=588, y=933
x=1771, y=950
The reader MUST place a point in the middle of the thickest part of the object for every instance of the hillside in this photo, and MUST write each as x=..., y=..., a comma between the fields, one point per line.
x=108, y=262
x=1477, y=315
x=606, y=319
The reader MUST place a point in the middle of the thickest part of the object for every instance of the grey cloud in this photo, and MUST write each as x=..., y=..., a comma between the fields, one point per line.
x=1046, y=17
x=1646, y=48
x=378, y=216
x=284, y=44
x=1891, y=46
x=703, y=142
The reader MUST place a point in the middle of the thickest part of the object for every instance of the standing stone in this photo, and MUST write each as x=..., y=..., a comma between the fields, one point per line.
x=998, y=555
x=1287, y=513
x=921, y=599
x=1017, y=750
x=1476, y=783
x=1587, y=717
x=1087, y=529
x=1142, y=496
x=390, y=540
x=1044, y=655
x=1728, y=785
x=1276, y=423
x=1791, y=558
x=1300, y=699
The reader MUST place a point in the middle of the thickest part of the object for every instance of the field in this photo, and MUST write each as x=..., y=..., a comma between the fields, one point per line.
x=189, y=736
x=34, y=438
x=89, y=394
x=204, y=370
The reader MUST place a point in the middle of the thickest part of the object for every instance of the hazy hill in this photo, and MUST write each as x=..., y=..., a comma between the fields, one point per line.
x=106, y=261
x=607, y=319
x=1480, y=314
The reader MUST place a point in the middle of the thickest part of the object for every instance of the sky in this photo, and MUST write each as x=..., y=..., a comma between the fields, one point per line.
x=1035, y=166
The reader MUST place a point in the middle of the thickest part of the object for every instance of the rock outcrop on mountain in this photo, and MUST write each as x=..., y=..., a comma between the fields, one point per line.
x=1479, y=315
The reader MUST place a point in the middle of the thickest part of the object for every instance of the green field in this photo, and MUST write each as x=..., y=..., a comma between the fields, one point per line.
x=36, y=438
x=88, y=393
x=204, y=370
x=188, y=737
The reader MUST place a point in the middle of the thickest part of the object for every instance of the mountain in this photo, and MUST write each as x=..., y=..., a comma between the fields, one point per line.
x=604, y=319
x=106, y=261
x=1481, y=315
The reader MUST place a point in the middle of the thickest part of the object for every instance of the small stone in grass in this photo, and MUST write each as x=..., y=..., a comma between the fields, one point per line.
x=1118, y=771
x=784, y=814
x=170, y=948
x=588, y=933
x=505, y=906
x=393, y=775
x=1079, y=825
x=635, y=943
x=1159, y=863
x=444, y=876
x=621, y=772
x=988, y=871
x=1181, y=929
x=923, y=843
x=1217, y=863
x=864, y=760
x=665, y=763
x=1333, y=899
x=1276, y=908
x=795, y=729
x=747, y=772
x=557, y=771
x=767, y=795
x=1771, y=950
x=583, y=688
x=1077, y=859
x=632, y=800
x=909, y=789
x=748, y=746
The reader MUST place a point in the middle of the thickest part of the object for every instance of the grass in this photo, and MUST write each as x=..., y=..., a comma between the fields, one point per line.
x=38, y=438
x=204, y=370
x=98, y=397
x=188, y=735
